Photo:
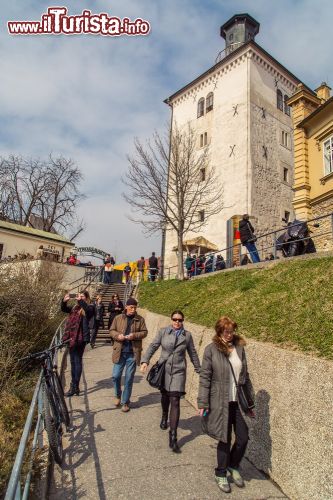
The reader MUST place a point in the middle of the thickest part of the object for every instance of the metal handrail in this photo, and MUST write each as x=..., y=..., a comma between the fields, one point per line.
x=14, y=490
x=261, y=237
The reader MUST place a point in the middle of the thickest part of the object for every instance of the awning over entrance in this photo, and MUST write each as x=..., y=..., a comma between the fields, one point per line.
x=199, y=245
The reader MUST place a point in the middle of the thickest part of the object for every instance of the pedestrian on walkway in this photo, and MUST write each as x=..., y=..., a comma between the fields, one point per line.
x=78, y=333
x=127, y=272
x=174, y=341
x=97, y=319
x=141, y=269
x=153, y=266
x=247, y=237
x=127, y=331
x=108, y=268
x=115, y=307
x=217, y=399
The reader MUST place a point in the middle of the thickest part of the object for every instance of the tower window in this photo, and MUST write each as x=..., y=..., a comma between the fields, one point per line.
x=231, y=37
x=202, y=174
x=286, y=216
x=285, y=174
x=201, y=215
x=201, y=140
x=285, y=139
x=279, y=100
x=205, y=139
x=286, y=107
x=209, y=102
x=201, y=107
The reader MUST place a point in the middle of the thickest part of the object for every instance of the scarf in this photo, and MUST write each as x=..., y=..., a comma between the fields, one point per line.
x=73, y=329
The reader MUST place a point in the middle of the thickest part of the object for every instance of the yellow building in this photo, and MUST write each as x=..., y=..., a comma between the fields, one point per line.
x=313, y=155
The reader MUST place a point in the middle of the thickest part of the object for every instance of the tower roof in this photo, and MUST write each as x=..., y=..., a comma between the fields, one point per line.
x=239, y=17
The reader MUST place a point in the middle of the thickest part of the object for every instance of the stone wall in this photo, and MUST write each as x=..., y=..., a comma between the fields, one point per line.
x=324, y=242
x=291, y=438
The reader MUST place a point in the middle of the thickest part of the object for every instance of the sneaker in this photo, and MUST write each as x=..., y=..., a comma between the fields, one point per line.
x=236, y=477
x=117, y=402
x=125, y=408
x=222, y=483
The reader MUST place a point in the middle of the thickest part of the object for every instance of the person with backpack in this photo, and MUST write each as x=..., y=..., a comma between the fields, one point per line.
x=77, y=331
x=248, y=238
x=175, y=341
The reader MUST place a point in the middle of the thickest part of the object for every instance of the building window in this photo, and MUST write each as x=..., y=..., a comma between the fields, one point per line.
x=285, y=174
x=231, y=37
x=279, y=100
x=201, y=140
x=201, y=107
x=202, y=174
x=328, y=156
x=285, y=139
x=286, y=107
x=205, y=139
x=202, y=216
x=286, y=216
x=209, y=102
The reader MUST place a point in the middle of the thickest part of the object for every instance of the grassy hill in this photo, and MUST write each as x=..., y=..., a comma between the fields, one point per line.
x=289, y=304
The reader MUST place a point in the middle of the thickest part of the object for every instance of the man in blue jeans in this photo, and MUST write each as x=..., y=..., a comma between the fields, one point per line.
x=127, y=330
x=248, y=238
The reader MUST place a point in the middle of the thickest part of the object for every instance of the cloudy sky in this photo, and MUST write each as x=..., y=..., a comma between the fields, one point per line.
x=87, y=97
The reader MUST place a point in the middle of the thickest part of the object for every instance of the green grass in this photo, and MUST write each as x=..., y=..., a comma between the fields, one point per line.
x=289, y=304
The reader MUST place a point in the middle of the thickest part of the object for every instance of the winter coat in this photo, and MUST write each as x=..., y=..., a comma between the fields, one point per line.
x=153, y=262
x=175, y=367
x=138, y=327
x=246, y=231
x=85, y=320
x=214, y=383
x=113, y=312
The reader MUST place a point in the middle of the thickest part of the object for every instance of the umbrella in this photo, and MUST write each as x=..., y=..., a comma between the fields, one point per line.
x=199, y=243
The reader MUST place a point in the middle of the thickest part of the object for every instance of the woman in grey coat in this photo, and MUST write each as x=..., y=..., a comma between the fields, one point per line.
x=175, y=341
x=217, y=399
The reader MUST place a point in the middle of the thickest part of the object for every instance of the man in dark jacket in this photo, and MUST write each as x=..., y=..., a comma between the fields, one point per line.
x=153, y=266
x=127, y=331
x=247, y=238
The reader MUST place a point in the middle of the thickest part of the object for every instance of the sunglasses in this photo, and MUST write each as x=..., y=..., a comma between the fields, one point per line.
x=179, y=320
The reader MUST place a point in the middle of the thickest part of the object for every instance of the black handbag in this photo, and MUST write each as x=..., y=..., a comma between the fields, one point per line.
x=156, y=374
x=244, y=396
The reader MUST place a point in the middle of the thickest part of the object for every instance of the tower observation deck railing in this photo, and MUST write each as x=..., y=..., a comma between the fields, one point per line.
x=265, y=244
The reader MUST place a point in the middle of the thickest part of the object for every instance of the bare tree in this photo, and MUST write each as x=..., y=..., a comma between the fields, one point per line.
x=173, y=185
x=45, y=191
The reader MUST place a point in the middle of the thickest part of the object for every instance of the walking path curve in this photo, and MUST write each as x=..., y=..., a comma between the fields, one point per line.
x=116, y=455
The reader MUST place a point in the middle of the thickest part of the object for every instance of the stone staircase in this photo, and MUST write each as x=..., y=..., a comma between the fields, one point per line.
x=106, y=292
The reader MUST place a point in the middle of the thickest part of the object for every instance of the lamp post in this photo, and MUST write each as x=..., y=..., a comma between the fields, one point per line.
x=163, y=229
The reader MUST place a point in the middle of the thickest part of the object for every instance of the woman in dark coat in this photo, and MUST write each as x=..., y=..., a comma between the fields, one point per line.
x=175, y=341
x=97, y=321
x=217, y=399
x=77, y=331
x=115, y=307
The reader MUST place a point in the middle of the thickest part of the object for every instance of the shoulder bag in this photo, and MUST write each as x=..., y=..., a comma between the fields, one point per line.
x=253, y=238
x=243, y=394
x=155, y=377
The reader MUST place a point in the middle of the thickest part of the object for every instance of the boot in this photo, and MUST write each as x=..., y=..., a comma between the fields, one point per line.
x=164, y=421
x=173, y=442
x=71, y=391
x=77, y=390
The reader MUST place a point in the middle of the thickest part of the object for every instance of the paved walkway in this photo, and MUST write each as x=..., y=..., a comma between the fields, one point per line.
x=112, y=455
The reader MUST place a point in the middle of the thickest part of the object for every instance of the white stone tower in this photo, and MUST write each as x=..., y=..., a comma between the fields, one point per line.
x=238, y=108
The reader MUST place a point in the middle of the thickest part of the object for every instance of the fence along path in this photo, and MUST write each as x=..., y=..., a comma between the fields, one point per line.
x=111, y=454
